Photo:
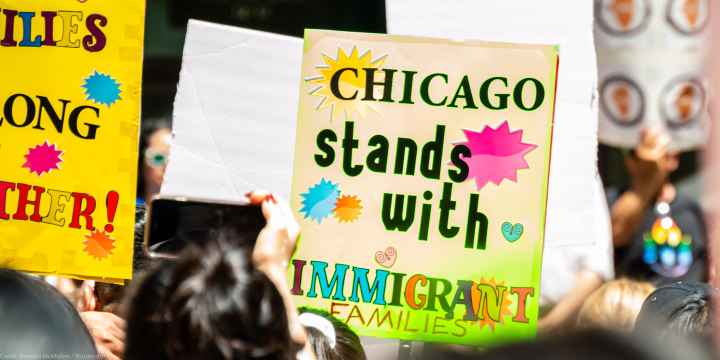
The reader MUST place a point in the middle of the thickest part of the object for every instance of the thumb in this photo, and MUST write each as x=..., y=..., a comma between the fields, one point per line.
x=105, y=353
x=87, y=301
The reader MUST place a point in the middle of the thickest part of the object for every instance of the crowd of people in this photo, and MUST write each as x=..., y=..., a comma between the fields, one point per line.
x=222, y=299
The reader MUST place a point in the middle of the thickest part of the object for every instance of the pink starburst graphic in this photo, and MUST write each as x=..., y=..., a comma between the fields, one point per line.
x=43, y=158
x=496, y=154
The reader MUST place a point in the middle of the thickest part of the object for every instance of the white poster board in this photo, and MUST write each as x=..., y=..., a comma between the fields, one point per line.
x=234, y=115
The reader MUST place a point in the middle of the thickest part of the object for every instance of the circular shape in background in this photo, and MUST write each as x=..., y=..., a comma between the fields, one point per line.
x=682, y=102
x=622, y=101
x=688, y=17
x=622, y=17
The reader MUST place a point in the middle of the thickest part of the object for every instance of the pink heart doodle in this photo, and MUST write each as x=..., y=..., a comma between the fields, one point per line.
x=386, y=258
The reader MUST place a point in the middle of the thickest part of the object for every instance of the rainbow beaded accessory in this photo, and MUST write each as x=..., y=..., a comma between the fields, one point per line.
x=666, y=249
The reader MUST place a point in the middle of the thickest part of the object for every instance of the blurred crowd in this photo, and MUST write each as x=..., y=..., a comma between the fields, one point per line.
x=220, y=299
x=643, y=295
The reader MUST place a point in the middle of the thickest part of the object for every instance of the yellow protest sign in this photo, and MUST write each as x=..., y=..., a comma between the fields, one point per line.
x=420, y=181
x=69, y=122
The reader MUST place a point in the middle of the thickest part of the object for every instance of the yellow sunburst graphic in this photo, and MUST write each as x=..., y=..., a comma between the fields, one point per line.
x=485, y=317
x=349, y=82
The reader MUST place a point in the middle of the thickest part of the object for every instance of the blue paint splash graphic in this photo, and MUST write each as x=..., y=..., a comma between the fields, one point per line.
x=319, y=201
x=102, y=89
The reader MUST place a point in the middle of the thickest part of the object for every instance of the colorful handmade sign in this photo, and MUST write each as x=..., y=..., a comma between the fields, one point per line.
x=70, y=100
x=420, y=181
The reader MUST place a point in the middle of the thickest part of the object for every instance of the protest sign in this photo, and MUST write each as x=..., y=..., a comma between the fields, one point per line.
x=420, y=182
x=237, y=94
x=70, y=99
x=651, y=58
x=577, y=211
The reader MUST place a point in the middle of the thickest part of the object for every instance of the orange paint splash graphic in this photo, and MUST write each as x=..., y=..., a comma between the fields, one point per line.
x=348, y=208
x=99, y=244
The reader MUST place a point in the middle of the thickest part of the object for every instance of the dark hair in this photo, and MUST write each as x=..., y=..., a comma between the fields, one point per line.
x=145, y=327
x=150, y=126
x=210, y=304
x=347, y=343
x=36, y=321
x=141, y=260
x=111, y=294
x=681, y=308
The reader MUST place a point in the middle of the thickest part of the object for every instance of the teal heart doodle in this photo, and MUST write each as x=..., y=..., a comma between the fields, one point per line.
x=512, y=233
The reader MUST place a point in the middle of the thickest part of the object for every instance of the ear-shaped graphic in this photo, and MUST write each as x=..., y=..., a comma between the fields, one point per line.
x=624, y=11
x=621, y=99
x=691, y=9
x=684, y=102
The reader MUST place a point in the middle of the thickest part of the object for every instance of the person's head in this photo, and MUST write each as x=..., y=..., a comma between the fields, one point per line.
x=588, y=344
x=678, y=309
x=154, y=154
x=38, y=322
x=208, y=304
x=615, y=305
x=330, y=338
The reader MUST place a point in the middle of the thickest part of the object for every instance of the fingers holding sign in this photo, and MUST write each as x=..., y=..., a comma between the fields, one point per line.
x=274, y=247
x=277, y=240
x=653, y=145
x=652, y=162
x=108, y=333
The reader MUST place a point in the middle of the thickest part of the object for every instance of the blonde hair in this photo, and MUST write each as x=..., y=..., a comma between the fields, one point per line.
x=615, y=305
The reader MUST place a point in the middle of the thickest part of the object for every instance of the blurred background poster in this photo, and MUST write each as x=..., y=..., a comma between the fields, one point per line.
x=651, y=57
